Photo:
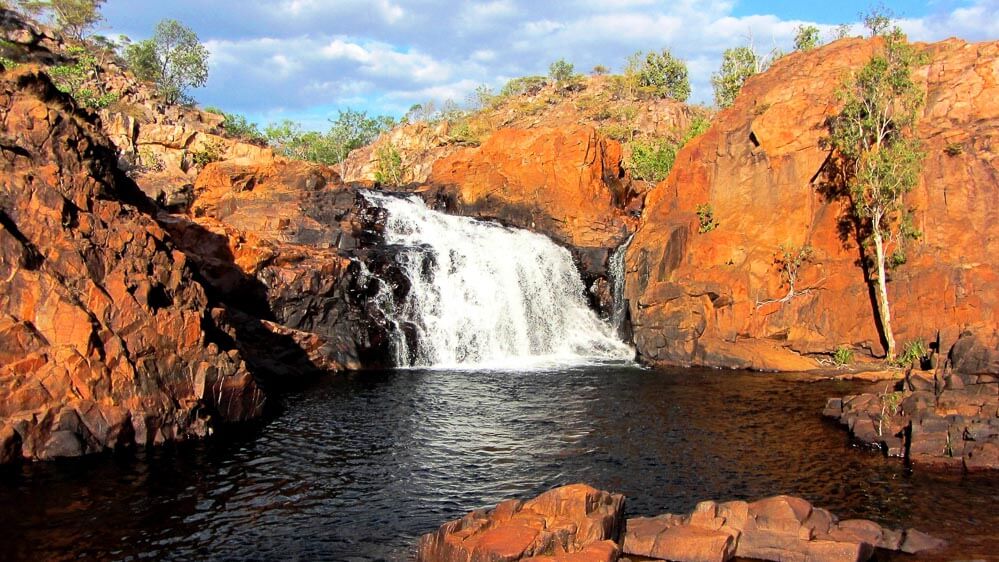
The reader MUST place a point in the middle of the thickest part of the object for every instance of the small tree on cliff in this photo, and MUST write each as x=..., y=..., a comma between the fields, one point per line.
x=879, y=161
x=563, y=75
x=738, y=64
x=174, y=59
x=72, y=17
x=807, y=38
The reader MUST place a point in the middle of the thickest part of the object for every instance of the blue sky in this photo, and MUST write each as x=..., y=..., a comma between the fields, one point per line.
x=304, y=59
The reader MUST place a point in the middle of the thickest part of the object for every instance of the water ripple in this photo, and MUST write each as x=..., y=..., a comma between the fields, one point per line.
x=359, y=466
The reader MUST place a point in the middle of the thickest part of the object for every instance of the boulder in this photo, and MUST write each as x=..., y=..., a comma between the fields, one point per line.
x=946, y=420
x=778, y=529
x=571, y=523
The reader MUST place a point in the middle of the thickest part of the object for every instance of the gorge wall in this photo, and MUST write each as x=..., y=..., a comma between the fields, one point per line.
x=695, y=297
x=103, y=327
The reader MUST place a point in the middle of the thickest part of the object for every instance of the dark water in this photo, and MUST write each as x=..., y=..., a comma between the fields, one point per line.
x=357, y=467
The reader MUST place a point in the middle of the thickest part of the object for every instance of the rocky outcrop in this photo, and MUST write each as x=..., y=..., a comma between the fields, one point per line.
x=580, y=523
x=104, y=337
x=573, y=522
x=777, y=528
x=716, y=298
x=287, y=243
x=566, y=183
x=419, y=145
x=949, y=420
x=604, y=103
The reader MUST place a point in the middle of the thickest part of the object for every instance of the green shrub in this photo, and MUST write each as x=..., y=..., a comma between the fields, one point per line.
x=843, y=355
x=652, y=161
x=349, y=131
x=662, y=74
x=461, y=131
x=807, y=38
x=174, y=59
x=149, y=161
x=239, y=127
x=954, y=149
x=617, y=131
x=738, y=64
x=78, y=79
x=913, y=352
x=602, y=114
x=388, y=165
x=561, y=71
x=211, y=151
x=622, y=87
x=698, y=126
x=564, y=77
x=529, y=85
x=706, y=218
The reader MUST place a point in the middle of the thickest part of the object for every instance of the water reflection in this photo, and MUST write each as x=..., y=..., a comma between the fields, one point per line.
x=358, y=466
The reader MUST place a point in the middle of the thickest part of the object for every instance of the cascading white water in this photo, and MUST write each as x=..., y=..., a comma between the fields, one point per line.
x=616, y=274
x=485, y=295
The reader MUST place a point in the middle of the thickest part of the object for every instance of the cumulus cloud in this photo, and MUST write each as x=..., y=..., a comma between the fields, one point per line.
x=306, y=57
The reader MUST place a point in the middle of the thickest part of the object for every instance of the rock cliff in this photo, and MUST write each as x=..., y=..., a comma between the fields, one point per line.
x=104, y=337
x=705, y=298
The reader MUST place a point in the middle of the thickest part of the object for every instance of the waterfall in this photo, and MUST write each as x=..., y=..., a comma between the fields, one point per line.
x=489, y=296
x=616, y=274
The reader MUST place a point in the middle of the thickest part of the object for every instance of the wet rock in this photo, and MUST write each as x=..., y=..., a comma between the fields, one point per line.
x=946, y=421
x=10, y=444
x=918, y=541
x=62, y=444
x=574, y=522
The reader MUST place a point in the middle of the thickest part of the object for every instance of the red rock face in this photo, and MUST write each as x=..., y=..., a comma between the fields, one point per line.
x=695, y=298
x=571, y=523
x=564, y=182
x=101, y=323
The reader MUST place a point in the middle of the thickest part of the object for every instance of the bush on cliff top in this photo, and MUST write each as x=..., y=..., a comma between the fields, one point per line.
x=72, y=17
x=661, y=74
x=350, y=130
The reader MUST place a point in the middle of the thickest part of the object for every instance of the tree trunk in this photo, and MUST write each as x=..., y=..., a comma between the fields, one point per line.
x=883, y=310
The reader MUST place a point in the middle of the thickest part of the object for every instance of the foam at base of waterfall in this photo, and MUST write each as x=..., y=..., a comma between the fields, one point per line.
x=485, y=295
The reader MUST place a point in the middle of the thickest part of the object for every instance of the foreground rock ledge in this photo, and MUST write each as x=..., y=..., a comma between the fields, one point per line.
x=582, y=524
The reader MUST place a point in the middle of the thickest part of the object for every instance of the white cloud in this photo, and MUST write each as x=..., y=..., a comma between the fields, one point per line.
x=312, y=55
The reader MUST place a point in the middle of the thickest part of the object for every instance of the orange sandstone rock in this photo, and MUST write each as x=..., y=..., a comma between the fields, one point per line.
x=565, y=182
x=102, y=339
x=571, y=523
x=702, y=298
